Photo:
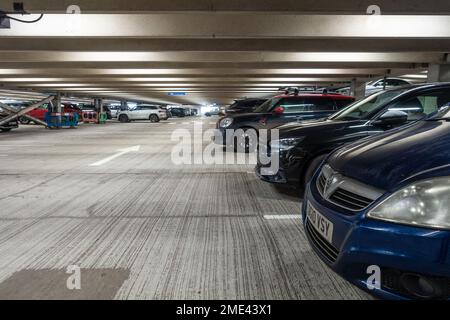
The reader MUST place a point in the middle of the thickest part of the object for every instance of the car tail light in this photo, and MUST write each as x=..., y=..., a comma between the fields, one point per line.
x=278, y=110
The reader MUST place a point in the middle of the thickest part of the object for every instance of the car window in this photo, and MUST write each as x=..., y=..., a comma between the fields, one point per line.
x=305, y=104
x=365, y=108
x=424, y=104
x=396, y=82
x=379, y=83
x=342, y=103
x=268, y=105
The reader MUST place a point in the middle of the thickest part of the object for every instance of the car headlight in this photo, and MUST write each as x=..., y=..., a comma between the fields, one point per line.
x=425, y=203
x=225, y=122
x=285, y=144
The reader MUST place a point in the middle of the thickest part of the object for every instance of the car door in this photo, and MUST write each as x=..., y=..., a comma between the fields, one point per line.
x=135, y=113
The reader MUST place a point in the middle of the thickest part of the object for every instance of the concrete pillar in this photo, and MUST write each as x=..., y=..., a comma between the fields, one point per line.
x=439, y=72
x=123, y=105
x=99, y=104
x=57, y=103
x=358, y=89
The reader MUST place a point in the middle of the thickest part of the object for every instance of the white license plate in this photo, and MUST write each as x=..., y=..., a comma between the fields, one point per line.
x=322, y=225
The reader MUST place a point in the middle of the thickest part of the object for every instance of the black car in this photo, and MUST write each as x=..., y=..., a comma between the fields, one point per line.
x=302, y=147
x=177, y=112
x=244, y=106
x=213, y=112
x=8, y=126
x=279, y=110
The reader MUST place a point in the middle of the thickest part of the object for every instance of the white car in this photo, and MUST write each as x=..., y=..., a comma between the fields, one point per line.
x=379, y=85
x=143, y=112
x=114, y=111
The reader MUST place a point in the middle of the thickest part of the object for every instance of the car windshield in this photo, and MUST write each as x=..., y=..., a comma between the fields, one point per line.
x=363, y=108
x=267, y=106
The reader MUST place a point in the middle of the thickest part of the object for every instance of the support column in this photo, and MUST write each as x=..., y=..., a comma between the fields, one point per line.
x=439, y=72
x=99, y=105
x=57, y=102
x=123, y=105
x=98, y=102
x=358, y=89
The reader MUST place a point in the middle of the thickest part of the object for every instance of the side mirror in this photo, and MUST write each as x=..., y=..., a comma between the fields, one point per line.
x=392, y=118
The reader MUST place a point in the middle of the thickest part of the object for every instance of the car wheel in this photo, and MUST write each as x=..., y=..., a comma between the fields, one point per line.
x=23, y=120
x=313, y=166
x=6, y=130
x=123, y=118
x=248, y=142
x=154, y=118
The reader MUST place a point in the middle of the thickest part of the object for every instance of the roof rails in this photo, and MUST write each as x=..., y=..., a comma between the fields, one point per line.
x=297, y=90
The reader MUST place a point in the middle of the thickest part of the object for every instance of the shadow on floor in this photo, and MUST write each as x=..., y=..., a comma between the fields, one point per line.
x=289, y=192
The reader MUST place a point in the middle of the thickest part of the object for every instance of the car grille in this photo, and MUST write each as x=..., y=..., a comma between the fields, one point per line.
x=321, y=183
x=345, y=192
x=350, y=200
x=327, y=249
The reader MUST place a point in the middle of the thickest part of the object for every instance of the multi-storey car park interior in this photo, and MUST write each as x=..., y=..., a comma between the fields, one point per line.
x=98, y=98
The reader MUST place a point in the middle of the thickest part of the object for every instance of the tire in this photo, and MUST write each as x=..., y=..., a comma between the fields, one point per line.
x=154, y=118
x=6, y=130
x=123, y=118
x=312, y=167
x=23, y=120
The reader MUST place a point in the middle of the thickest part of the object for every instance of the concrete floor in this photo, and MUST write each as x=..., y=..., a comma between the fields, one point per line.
x=141, y=227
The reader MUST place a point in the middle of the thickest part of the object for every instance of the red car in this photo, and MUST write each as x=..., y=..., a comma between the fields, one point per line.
x=39, y=113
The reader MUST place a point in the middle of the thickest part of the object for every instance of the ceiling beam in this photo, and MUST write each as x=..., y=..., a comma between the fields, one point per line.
x=305, y=6
x=240, y=57
x=236, y=26
x=280, y=45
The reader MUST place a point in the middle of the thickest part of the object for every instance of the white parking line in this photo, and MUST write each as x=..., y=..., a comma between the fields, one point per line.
x=282, y=216
x=119, y=154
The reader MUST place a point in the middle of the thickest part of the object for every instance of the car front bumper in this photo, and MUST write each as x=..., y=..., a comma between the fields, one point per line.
x=400, y=251
x=10, y=125
x=289, y=169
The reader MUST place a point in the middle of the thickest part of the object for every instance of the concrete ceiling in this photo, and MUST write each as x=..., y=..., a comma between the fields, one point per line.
x=216, y=50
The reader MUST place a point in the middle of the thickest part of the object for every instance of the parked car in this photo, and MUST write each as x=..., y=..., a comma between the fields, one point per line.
x=385, y=202
x=40, y=112
x=279, y=110
x=213, y=112
x=72, y=108
x=178, y=112
x=377, y=85
x=91, y=107
x=143, y=112
x=114, y=111
x=13, y=124
x=302, y=147
x=243, y=106
x=383, y=84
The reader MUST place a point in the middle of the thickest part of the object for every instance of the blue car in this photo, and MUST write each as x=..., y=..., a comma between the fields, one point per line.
x=377, y=211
